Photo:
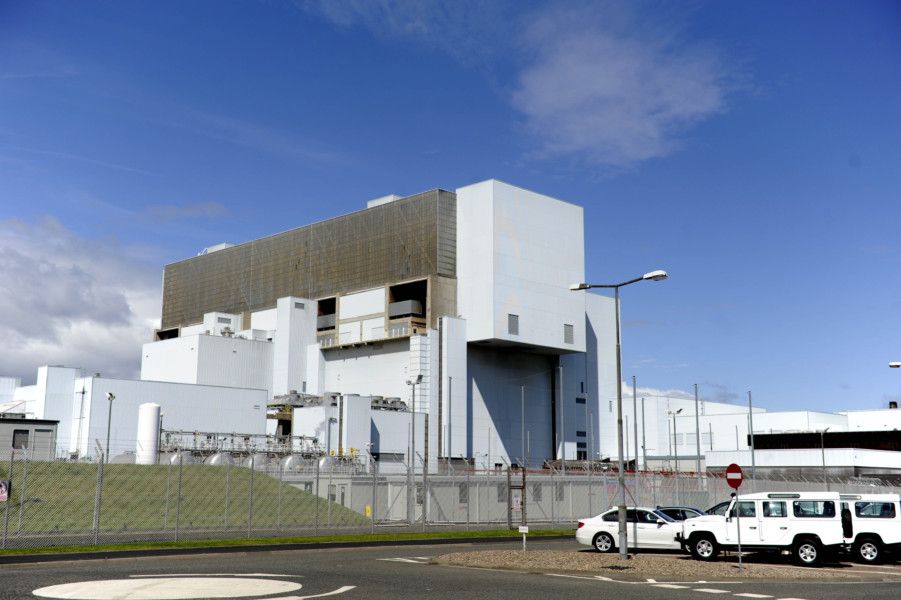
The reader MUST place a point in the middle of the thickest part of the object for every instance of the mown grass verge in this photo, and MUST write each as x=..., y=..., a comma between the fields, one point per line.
x=281, y=541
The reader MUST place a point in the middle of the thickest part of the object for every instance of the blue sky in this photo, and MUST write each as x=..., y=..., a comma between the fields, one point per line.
x=753, y=150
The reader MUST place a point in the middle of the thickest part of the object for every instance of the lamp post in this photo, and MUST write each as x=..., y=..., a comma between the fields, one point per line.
x=410, y=491
x=823, y=455
x=621, y=481
x=109, y=419
x=697, y=437
x=673, y=414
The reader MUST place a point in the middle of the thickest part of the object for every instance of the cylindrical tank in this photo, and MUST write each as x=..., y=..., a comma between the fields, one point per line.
x=184, y=456
x=147, y=446
x=219, y=459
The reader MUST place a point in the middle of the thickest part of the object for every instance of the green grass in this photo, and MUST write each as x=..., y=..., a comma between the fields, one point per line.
x=59, y=499
x=378, y=537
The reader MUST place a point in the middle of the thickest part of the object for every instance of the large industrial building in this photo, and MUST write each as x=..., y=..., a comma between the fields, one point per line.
x=455, y=304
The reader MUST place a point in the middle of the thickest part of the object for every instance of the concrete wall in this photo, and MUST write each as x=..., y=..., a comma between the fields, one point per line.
x=374, y=370
x=454, y=407
x=517, y=253
x=495, y=379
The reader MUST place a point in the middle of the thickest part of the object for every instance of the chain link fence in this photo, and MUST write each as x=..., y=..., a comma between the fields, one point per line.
x=65, y=503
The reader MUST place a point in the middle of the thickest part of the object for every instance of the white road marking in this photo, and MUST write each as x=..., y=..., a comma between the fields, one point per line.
x=791, y=598
x=753, y=595
x=652, y=581
x=340, y=590
x=167, y=588
x=852, y=571
x=711, y=591
x=215, y=575
x=403, y=560
x=671, y=586
x=422, y=557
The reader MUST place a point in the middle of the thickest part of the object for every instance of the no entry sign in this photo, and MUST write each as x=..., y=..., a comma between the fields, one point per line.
x=734, y=476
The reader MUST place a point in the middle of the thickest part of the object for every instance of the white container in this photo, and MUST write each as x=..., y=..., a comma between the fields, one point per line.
x=148, y=441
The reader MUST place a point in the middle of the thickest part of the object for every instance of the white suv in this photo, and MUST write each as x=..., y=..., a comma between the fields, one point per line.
x=802, y=523
x=872, y=524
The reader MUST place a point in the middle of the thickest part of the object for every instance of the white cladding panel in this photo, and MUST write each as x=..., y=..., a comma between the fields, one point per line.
x=356, y=426
x=314, y=421
x=874, y=420
x=391, y=431
x=373, y=370
x=55, y=390
x=190, y=330
x=185, y=407
x=234, y=362
x=216, y=322
x=348, y=333
x=296, y=329
x=263, y=319
x=373, y=329
x=8, y=387
x=361, y=304
x=534, y=245
x=811, y=457
x=475, y=266
x=172, y=360
x=454, y=410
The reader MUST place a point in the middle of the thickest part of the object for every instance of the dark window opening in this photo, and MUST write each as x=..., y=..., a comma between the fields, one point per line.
x=20, y=439
x=408, y=299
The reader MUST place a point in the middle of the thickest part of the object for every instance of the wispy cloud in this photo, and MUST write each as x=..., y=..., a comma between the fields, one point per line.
x=605, y=87
x=75, y=157
x=606, y=83
x=69, y=300
x=165, y=213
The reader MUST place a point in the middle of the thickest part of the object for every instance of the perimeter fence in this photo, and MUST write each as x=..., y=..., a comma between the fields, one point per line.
x=65, y=503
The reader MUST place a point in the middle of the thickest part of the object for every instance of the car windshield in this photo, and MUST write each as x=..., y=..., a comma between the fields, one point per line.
x=719, y=509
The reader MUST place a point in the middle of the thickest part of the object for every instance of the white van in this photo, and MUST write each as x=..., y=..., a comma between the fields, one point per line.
x=803, y=523
x=872, y=524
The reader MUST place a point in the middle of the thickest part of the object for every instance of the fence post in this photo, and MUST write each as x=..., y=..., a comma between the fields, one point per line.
x=374, y=495
x=278, y=523
x=468, y=498
x=166, y=510
x=98, y=492
x=425, y=492
x=590, y=494
x=553, y=498
x=178, y=497
x=9, y=497
x=250, y=504
x=316, y=503
x=328, y=499
x=228, y=475
x=23, y=495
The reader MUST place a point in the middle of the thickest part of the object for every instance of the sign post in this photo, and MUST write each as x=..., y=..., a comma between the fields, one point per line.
x=734, y=478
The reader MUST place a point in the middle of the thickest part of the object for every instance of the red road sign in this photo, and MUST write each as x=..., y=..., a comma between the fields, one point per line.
x=734, y=476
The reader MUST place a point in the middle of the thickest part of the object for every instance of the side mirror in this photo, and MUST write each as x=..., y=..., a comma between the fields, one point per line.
x=661, y=522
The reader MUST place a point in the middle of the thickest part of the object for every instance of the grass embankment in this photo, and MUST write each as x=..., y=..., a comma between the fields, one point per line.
x=59, y=499
x=281, y=541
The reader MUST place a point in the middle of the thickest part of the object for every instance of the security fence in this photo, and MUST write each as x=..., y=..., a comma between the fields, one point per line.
x=53, y=503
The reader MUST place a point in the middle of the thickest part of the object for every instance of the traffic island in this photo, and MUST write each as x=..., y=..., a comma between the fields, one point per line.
x=641, y=567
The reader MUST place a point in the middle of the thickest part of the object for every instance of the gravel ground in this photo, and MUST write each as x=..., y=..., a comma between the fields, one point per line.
x=663, y=567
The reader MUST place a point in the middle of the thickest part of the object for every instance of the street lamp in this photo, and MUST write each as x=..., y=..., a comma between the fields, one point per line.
x=109, y=418
x=621, y=480
x=673, y=413
x=412, y=383
x=823, y=454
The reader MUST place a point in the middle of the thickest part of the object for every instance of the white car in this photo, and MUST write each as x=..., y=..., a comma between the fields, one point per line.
x=872, y=525
x=804, y=524
x=645, y=528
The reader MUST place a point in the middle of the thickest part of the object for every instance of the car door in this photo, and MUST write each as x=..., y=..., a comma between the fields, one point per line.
x=652, y=534
x=774, y=524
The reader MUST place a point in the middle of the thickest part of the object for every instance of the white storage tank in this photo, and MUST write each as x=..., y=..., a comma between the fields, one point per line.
x=147, y=443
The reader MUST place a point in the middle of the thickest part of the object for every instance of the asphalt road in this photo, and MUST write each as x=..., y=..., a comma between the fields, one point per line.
x=385, y=572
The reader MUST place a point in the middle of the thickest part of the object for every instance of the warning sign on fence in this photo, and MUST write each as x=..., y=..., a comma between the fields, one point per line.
x=5, y=487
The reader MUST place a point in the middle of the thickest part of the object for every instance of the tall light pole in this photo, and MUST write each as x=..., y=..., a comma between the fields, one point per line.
x=635, y=436
x=697, y=436
x=823, y=455
x=621, y=480
x=109, y=419
x=410, y=490
x=673, y=413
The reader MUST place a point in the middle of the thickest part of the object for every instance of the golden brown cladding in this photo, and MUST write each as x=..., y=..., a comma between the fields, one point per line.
x=402, y=240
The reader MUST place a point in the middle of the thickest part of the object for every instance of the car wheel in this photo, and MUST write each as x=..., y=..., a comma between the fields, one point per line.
x=806, y=552
x=868, y=551
x=603, y=542
x=703, y=547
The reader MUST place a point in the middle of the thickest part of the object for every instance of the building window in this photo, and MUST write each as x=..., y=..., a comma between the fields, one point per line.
x=224, y=321
x=568, y=334
x=298, y=305
x=580, y=434
x=582, y=445
x=502, y=493
x=580, y=399
x=536, y=492
x=581, y=455
x=513, y=324
x=20, y=439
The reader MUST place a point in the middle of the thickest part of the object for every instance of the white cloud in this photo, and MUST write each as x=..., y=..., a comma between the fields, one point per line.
x=72, y=301
x=604, y=86
x=608, y=83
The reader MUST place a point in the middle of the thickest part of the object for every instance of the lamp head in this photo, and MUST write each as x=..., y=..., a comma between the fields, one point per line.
x=894, y=365
x=575, y=287
x=110, y=396
x=656, y=275
x=678, y=412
